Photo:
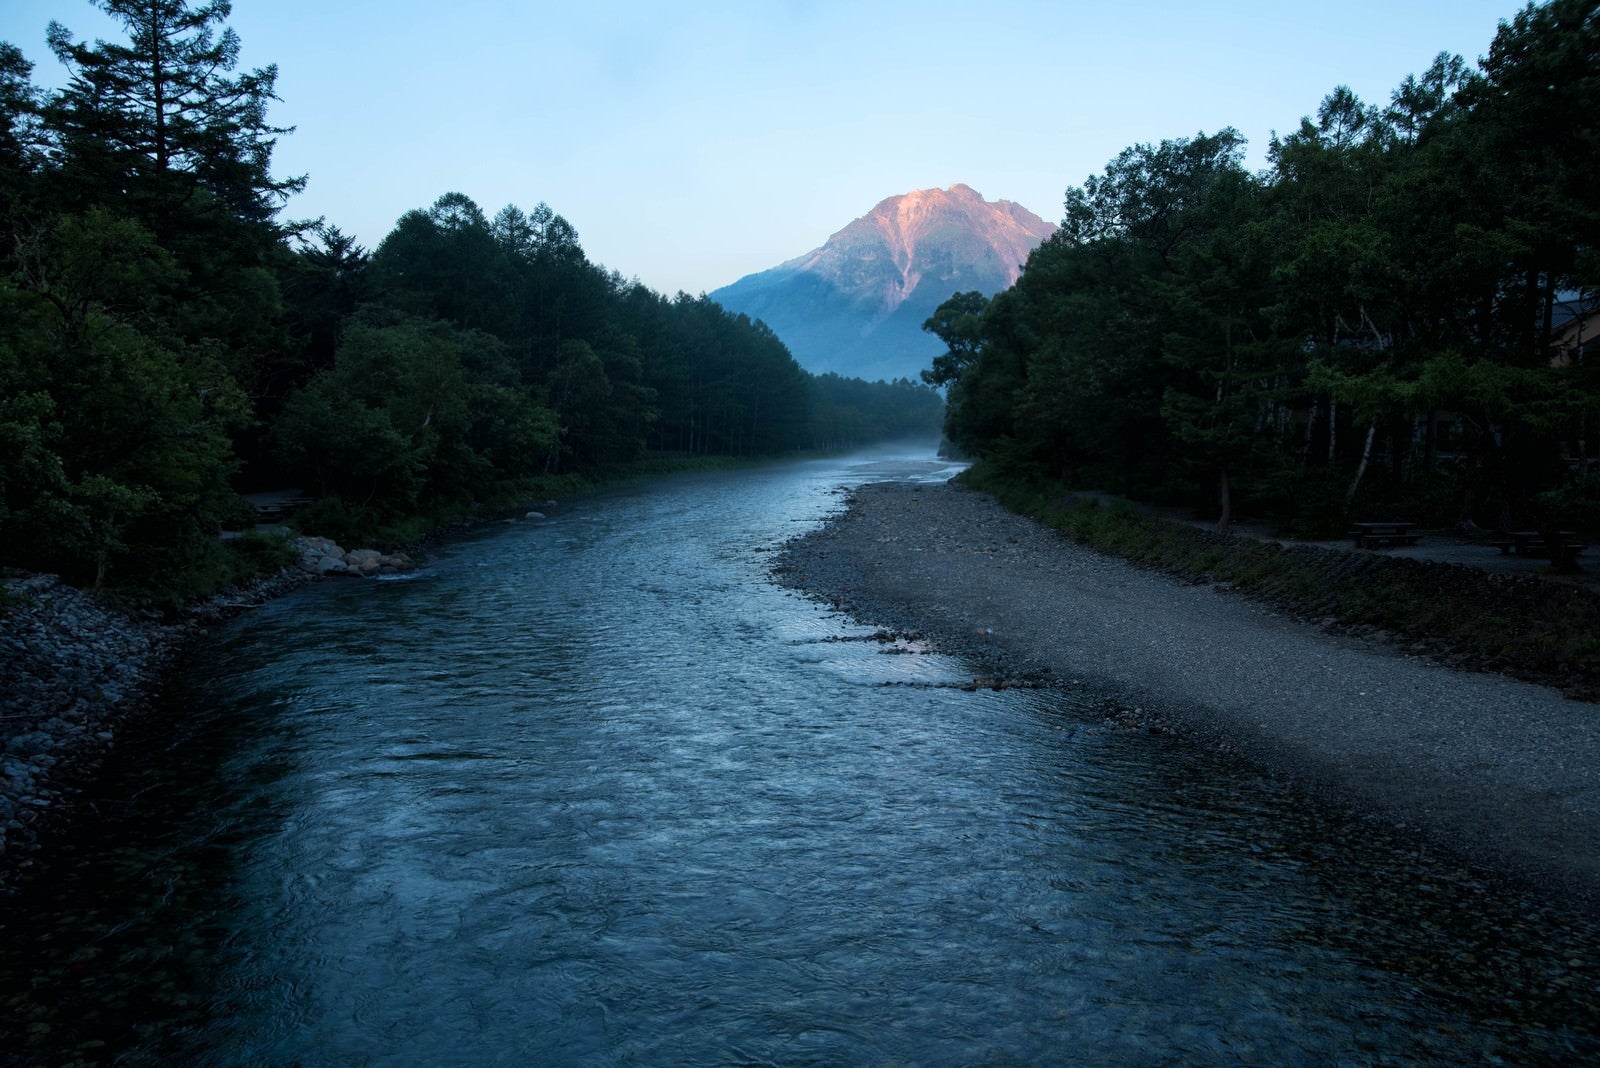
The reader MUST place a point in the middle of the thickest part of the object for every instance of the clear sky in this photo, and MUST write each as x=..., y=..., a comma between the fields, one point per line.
x=691, y=143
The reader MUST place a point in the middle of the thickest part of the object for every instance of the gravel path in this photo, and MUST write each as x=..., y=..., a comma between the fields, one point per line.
x=1505, y=772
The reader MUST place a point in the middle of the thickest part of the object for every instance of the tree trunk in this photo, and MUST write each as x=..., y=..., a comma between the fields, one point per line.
x=1469, y=501
x=1412, y=462
x=1547, y=334
x=1333, y=430
x=1366, y=454
x=1311, y=430
x=158, y=90
x=1534, y=294
x=1563, y=561
x=1225, y=495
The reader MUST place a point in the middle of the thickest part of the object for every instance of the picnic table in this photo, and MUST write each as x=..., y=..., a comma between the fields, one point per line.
x=1531, y=543
x=1378, y=534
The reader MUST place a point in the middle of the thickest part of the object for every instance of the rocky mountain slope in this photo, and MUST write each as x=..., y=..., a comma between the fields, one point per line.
x=856, y=305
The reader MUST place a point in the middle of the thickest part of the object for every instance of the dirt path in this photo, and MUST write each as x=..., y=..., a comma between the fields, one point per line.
x=1506, y=772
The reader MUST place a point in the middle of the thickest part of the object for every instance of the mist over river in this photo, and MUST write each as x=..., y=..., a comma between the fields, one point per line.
x=596, y=790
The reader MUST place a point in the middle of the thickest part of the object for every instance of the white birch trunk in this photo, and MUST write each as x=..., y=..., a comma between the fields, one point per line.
x=1311, y=429
x=1366, y=454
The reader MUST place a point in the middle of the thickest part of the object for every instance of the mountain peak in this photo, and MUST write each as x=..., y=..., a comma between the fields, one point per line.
x=899, y=261
x=930, y=232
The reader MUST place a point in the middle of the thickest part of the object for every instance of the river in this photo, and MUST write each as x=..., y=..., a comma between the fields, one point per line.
x=596, y=790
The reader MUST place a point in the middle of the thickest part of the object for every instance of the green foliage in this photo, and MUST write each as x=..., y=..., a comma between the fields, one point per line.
x=254, y=553
x=163, y=338
x=1362, y=325
x=1575, y=504
x=160, y=118
x=399, y=425
x=847, y=412
x=20, y=135
x=958, y=322
x=360, y=523
x=136, y=296
x=443, y=263
x=116, y=433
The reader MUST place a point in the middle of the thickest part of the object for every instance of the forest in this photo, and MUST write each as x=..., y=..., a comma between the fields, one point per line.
x=1394, y=318
x=169, y=340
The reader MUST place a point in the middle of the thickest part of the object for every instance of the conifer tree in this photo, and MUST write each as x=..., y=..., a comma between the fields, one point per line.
x=164, y=117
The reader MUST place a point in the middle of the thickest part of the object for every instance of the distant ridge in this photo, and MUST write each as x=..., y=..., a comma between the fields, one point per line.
x=856, y=305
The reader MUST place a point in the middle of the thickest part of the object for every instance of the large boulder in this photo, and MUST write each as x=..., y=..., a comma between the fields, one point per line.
x=322, y=556
x=364, y=562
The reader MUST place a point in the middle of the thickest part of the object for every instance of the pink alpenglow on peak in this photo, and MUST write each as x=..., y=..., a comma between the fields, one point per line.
x=855, y=306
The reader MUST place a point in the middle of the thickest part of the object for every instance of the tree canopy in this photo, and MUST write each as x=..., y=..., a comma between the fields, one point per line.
x=1394, y=314
x=168, y=340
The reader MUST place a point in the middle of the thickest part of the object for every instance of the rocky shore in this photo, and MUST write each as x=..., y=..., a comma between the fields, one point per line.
x=1505, y=773
x=70, y=669
x=73, y=669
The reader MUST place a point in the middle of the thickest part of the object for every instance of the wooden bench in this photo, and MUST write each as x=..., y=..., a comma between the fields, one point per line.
x=1531, y=543
x=271, y=506
x=1380, y=535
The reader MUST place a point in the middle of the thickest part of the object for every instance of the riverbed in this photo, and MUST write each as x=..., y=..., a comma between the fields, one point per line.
x=597, y=789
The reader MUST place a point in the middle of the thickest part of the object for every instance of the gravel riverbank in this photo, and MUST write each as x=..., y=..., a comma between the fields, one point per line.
x=73, y=670
x=1504, y=772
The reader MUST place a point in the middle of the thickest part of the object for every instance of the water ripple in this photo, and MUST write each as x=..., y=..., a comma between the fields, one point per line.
x=595, y=791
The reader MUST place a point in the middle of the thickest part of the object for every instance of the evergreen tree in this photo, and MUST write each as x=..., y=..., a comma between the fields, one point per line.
x=163, y=120
x=21, y=138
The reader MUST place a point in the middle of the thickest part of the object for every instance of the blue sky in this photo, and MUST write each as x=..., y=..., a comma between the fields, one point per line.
x=693, y=143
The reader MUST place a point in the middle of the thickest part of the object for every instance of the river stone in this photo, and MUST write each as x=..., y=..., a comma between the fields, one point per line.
x=318, y=554
x=27, y=745
x=364, y=561
x=330, y=565
x=322, y=546
x=534, y=515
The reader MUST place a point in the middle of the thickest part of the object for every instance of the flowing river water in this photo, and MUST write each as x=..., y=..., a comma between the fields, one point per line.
x=596, y=790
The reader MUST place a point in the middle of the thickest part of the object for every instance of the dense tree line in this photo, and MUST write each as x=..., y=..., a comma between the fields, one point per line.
x=1393, y=315
x=167, y=338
